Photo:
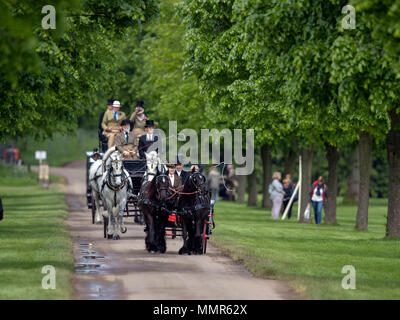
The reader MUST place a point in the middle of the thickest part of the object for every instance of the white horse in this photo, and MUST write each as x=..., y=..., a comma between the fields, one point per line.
x=114, y=186
x=96, y=172
x=153, y=163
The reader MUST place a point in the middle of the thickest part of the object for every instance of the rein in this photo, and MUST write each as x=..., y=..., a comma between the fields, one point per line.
x=180, y=192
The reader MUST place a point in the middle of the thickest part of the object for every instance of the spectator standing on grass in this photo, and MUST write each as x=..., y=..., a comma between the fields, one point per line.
x=276, y=194
x=318, y=194
x=214, y=179
x=288, y=189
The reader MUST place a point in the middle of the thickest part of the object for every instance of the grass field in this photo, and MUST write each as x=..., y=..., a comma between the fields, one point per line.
x=32, y=235
x=311, y=257
x=62, y=149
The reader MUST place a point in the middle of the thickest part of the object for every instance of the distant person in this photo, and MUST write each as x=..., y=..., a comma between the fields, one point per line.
x=112, y=123
x=214, y=180
x=276, y=194
x=138, y=118
x=231, y=182
x=1, y=210
x=288, y=190
x=318, y=194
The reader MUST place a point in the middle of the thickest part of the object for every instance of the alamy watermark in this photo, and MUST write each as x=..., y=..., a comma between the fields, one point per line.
x=349, y=20
x=196, y=149
x=349, y=281
x=49, y=20
x=49, y=280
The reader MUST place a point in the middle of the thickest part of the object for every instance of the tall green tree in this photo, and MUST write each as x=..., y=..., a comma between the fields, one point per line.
x=378, y=22
x=49, y=77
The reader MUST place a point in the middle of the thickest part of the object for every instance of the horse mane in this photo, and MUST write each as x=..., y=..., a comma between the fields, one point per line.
x=108, y=153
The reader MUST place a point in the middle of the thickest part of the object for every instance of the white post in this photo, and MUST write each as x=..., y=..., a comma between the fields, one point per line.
x=291, y=200
x=299, y=184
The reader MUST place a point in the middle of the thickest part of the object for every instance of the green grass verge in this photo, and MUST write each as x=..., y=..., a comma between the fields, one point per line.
x=62, y=149
x=32, y=235
x=311, y=257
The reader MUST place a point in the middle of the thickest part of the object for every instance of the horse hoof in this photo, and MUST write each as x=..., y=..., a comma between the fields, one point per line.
x=116, y=237
x=109, y=236
x=123, y=230
x=184, y=250
x=99, y=222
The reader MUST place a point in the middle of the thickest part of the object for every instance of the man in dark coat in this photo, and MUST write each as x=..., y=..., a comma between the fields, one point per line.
x=146, y=140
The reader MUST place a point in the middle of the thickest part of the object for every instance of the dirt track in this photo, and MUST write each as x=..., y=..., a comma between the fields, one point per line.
x=124, y=270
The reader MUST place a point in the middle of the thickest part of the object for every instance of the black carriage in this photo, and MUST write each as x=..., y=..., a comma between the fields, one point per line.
x=89, y=196
x=136, y=170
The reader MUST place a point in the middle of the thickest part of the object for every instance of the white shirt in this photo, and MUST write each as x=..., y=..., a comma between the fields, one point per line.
x=150, y=137
x=317, y=198
x=172, y=179
x=179, y=172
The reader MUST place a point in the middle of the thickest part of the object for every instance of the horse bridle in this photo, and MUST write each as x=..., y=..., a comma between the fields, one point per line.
x=108, y=180
x=162, y=175
x=193, y=183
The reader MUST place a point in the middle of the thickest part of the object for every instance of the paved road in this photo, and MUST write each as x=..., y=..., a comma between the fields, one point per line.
x=124, y=270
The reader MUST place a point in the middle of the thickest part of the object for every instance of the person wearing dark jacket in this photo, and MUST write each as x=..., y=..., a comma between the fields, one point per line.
x=180, y=172
x=318, y=194
x=146, y=140
x=288, y=188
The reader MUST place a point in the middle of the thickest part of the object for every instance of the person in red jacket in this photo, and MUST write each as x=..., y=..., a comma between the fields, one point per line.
x=318, y=194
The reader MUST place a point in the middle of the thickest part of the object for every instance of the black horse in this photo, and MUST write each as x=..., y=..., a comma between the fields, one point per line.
x=153, y=196
x=194, y=199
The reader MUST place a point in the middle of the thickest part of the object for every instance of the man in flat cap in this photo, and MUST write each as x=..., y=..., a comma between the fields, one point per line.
x=174, y=180
x=179, y=169
x=126, y=141
x=112, y=122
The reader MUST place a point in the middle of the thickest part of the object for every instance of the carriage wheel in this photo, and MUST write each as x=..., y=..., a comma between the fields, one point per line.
x=205, y=238
x=105, y=224
x=93, y=209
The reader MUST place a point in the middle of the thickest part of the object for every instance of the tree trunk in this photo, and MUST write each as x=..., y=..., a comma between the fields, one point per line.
x=267, y=174
x=365, y=172
x=290, y=162
x=332, y=155
x=306, y=166
x=241, y=190
x=393, y=153
x=252, y=182
x=353, y=183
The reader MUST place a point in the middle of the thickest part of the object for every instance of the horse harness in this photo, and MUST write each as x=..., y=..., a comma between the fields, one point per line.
x=114, y=188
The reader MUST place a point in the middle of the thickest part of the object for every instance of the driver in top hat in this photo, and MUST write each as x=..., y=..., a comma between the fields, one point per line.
x=146, y=140
x=126, y=141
